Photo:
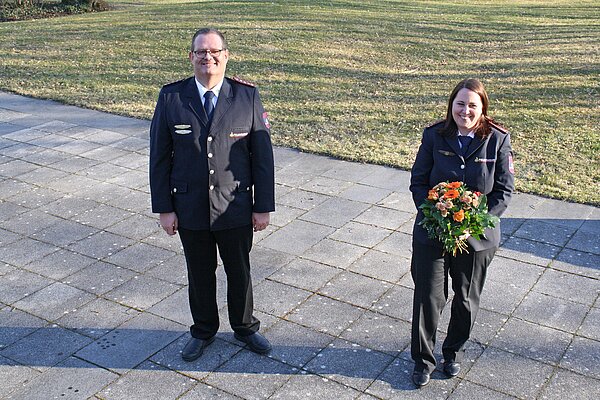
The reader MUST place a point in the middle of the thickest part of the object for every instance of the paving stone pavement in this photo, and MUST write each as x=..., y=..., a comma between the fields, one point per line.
x=93, y=297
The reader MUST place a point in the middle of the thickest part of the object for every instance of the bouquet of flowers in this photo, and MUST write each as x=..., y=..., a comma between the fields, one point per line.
x=453, y=213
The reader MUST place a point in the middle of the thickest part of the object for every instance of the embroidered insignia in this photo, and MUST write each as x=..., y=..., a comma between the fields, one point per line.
x=182, y=126
x=242, y=81
x=477, y=159
x=499, y=127
x=446, y=153
x=183, y=131
x=265, y=117
x=511, y=164
x=238, y=134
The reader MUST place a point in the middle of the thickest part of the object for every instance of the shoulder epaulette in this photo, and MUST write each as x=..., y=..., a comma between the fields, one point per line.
x=499, y=128
x=439, y=121
x=242, y=81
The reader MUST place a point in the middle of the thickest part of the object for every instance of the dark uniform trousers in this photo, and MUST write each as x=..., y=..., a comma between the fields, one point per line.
x=200, y=248
x=430, y=270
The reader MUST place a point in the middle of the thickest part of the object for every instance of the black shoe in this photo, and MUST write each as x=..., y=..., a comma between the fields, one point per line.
x=194, y=348
x=451, y=368
x=256, y=342
x=420, y=379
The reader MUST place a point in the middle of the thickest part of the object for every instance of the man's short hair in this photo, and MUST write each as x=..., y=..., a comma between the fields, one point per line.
x=206, y=31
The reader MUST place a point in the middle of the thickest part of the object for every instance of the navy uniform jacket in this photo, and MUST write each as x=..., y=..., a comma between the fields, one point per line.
x=487, y=168
x=211, y=177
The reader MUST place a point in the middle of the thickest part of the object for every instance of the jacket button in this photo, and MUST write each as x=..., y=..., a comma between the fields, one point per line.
x=209, y=139
x=211, y=187
x=462, y=166
x=209, y=155
x=174, y=190
x=212, y=171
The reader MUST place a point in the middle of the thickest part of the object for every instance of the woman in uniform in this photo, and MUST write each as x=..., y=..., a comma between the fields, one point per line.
x=466, y=146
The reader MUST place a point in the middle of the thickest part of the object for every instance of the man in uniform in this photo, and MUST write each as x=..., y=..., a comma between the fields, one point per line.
x=212, y=181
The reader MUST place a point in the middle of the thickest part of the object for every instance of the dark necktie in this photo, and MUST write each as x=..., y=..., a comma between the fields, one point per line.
x=208, y=104
x=465, y=141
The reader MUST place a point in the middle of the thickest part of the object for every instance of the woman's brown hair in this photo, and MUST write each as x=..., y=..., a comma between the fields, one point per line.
x=483, y=128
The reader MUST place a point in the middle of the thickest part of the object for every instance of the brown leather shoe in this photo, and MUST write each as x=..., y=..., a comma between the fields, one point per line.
x=195, y=347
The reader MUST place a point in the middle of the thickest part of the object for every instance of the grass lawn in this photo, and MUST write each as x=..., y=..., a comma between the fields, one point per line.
x=356, y=79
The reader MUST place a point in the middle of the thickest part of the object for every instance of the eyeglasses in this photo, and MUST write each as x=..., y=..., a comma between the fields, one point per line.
x=205, y=52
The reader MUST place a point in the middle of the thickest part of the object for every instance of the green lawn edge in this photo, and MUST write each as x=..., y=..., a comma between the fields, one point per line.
x=357, y=80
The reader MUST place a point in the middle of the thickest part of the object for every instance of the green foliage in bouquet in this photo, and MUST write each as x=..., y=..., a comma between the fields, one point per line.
x=453, y=213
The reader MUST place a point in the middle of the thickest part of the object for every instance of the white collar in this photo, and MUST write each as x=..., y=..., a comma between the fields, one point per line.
x=201, y=89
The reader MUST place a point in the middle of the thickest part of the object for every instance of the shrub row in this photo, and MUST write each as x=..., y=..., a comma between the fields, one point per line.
x=16, y=10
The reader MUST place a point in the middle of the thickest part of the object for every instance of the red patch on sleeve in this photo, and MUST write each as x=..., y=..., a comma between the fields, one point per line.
x=511, y=164
x=265, y=117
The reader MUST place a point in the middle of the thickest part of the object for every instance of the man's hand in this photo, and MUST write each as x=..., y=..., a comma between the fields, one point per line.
x=260, y=221
x=168, y=221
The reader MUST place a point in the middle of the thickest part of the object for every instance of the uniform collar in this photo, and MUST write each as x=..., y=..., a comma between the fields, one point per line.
x=201, y=89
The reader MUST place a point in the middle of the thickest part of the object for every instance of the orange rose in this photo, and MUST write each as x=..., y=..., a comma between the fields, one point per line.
x=451, y=194
x=459, y=216
x=454, y=185
x=433, y=195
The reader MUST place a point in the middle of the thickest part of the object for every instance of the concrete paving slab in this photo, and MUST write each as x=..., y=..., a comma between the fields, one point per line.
x=147, y=381
x=14, y=376
x=509, y=373
x=301, y=387
x=305, y=274
x=80, y=247
x=567, y=385
x=335, y=212
x=325, y=315
x=131, y=343
x=502, y=297
x=141, y=292
x=396, y=303
x=355, y=289
x=560, y=284
x=295, y=344
x=18, y=284
x=277, y=299
x=533, y=341
x=99, y=278
x=552, y=312
x=96, y=318
x=251, y=375
x=334, y=253
x=382, y=266
x=379, y=332
x=395, y=383
x=589, y=327
x=17, y=324
x=71, y=379
x=45, y=347
x=361, y=234
x=582, y=357
x=203, y=391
